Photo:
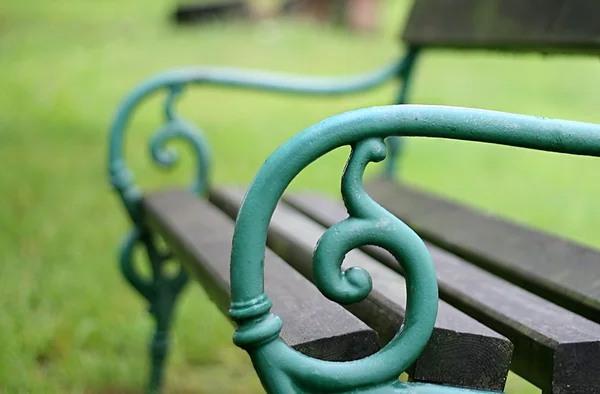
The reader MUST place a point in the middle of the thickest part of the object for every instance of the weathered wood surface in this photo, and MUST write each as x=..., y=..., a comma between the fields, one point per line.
x=555, y=349
x=462, y=352
x=200, y=236
x=549, y=26
x=559, y=270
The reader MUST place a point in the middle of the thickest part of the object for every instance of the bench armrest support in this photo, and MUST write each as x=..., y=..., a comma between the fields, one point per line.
x=162, y=291
x=284, y=370
x=176, y=80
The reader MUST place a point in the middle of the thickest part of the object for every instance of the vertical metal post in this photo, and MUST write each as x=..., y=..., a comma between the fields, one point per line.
x=395, y=144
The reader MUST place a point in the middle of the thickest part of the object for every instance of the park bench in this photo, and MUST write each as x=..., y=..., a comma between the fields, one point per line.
x=510, y=297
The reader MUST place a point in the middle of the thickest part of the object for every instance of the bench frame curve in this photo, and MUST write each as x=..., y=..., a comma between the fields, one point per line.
x=282, y=369
x=161, y=291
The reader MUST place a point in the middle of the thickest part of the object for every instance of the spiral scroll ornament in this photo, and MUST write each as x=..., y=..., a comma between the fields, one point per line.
x=177, y=128
x=367, y=224
x=284, y=370
x=161, y=290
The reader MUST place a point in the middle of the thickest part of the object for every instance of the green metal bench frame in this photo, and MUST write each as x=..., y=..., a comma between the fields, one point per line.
x=283, y=370
x=425, y=30
x=162, y=291
x=280, y=368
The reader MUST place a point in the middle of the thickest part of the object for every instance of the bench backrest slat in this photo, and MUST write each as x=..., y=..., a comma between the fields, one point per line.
x=548, y=26
x=461, y=352
x=200, y=236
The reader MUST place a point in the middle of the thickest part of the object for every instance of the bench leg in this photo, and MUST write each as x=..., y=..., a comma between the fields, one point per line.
x=161, y=288
x=161, y=291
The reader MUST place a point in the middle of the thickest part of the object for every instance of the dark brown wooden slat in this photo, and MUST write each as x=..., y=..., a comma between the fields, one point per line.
x=559, y=270
x=200, y=236
x=548, y=26
x=555, y=349
x=461, y=352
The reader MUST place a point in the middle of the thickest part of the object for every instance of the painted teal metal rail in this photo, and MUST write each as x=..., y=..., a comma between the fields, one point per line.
x=162, y=291
x=284, y=370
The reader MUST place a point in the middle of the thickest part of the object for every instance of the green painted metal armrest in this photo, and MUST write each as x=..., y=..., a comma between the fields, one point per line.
x=176, y=80
x=161, y=291
x=283, y=370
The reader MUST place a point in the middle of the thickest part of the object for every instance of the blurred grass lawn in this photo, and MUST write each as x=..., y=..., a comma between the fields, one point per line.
x=68, y=322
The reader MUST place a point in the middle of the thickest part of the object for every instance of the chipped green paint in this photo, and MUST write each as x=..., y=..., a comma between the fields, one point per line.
x=284, y=370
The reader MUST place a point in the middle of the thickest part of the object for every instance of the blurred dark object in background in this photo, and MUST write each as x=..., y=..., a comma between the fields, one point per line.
x=357, y=15
x=210, y=11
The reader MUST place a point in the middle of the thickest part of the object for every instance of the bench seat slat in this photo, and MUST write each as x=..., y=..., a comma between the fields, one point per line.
x=557, y=269
x=462, y=352
x=555, y=349
x=200, y=236
x=548, y=26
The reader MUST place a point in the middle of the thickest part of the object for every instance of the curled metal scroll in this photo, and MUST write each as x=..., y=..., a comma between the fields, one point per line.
x=161, y=290
x=284, y=370
x=175, y=80
x=175, y=127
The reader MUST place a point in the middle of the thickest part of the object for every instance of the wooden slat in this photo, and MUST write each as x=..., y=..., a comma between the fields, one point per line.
x=559, y=270
x=549, y=26
x=555, y=349
x=461, y=352
x=200, y=236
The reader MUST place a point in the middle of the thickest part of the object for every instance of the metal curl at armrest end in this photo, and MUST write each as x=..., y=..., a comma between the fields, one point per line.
x=282, y=369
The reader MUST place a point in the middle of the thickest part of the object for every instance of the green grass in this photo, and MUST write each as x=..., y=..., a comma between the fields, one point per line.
x=68, y=322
